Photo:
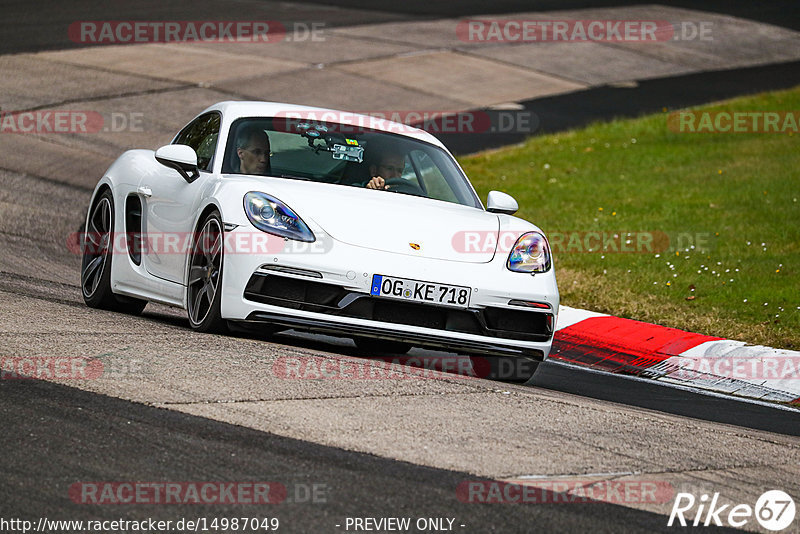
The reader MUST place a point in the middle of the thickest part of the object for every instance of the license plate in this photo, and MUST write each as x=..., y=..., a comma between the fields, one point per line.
x=419, y=291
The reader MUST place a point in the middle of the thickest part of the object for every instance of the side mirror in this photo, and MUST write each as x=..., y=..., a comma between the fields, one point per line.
x=499, y=202
x=182, y=158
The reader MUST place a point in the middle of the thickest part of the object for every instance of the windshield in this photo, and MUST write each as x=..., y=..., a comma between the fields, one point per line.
x=341, y=154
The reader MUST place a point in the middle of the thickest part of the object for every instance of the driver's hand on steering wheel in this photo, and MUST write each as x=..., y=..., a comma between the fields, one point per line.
x=377, y=182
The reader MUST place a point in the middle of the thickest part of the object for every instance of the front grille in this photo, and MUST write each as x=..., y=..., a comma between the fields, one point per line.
x=504, y=319
x=332, y=299
x=293, y=293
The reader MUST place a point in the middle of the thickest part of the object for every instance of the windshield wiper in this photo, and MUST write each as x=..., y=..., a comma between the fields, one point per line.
x=293, y=177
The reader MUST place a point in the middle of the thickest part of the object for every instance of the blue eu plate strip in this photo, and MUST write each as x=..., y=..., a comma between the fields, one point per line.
x=377, y=280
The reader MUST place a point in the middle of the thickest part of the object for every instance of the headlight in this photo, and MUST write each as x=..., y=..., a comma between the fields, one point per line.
x=270, y=215
x=530, y=254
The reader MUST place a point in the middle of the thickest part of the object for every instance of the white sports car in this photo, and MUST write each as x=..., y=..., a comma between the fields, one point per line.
x=286, y=217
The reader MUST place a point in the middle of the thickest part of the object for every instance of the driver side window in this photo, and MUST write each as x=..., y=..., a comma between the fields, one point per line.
x=431, y=177
x=202, y=134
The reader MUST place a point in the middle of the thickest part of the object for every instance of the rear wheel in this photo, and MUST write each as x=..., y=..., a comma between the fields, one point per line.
x=98, y=252
x=204, y=287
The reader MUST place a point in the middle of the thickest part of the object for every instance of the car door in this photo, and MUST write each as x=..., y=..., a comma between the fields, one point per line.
x=170, y=202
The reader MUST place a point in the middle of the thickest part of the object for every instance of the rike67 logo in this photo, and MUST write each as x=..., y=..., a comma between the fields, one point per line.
x=774, y=510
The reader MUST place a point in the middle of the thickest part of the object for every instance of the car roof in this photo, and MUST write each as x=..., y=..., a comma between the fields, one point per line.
x=233, y=110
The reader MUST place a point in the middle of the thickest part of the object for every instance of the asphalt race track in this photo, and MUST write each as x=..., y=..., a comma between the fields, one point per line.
x=27, y=30
x=176, y=406
x=72, y=432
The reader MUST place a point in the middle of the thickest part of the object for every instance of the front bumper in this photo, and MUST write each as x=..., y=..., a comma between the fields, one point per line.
x=327, y=289
x=417, y=339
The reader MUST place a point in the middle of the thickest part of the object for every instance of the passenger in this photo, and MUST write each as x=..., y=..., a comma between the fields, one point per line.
x=252, y=148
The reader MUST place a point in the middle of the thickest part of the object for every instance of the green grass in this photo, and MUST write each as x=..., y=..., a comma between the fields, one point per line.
x=729, y=192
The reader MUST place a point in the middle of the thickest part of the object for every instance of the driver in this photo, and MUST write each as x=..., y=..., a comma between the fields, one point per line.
x=389, y=164
x=252, y=147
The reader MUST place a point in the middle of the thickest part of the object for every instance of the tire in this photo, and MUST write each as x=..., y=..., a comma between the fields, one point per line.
x=97, y=255
x=204, y=282
x=371, y=346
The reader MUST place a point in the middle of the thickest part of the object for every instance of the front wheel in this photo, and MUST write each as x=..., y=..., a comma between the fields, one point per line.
x=204, y=286
x=98, y=251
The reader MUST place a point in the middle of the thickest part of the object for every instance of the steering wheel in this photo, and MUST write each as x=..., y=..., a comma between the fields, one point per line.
x=401, y=185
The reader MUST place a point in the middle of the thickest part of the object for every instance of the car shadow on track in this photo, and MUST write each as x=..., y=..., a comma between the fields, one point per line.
x=555, y=376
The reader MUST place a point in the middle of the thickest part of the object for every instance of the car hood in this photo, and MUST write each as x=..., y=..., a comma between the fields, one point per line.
x=392, y=222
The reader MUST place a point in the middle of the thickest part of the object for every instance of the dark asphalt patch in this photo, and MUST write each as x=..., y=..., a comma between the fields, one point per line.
x=574, y=110
x=44, y=25
x=54, y=436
